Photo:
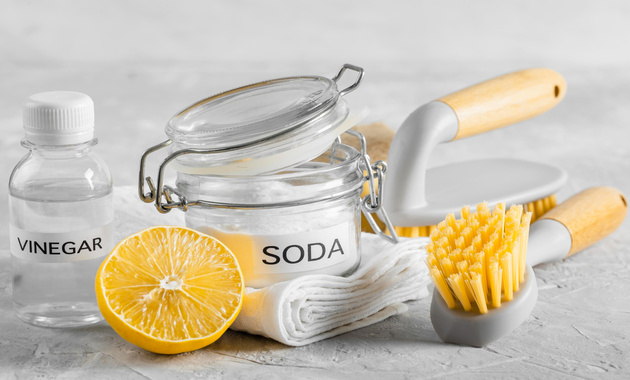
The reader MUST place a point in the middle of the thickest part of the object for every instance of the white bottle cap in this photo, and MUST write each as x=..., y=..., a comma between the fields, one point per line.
x=58, y=118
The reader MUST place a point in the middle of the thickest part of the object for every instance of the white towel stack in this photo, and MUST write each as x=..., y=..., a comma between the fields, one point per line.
x=314, y=307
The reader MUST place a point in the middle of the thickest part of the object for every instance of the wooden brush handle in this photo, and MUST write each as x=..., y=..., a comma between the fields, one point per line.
x=505, y=100
x=590, y=215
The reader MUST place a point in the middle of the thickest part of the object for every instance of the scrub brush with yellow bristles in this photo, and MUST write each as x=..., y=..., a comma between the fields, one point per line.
x=417, y=198
x=481, y=264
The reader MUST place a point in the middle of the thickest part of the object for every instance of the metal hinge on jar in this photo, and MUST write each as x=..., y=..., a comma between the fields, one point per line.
x=372, y=203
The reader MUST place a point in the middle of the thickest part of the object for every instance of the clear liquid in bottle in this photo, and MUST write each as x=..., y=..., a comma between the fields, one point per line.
x=59, y=294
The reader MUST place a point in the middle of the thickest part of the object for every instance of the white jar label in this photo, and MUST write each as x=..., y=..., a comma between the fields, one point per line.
x=312, y=250
x=63, y=247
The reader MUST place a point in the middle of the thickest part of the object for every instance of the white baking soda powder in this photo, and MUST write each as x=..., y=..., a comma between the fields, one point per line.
x=279, y=244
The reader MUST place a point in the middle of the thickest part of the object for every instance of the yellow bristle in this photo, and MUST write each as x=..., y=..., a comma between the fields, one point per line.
x=482, y=208
x=525, y=223
x=516, y=212
x=546, y=203
x=447, y=267
x=506, y=269
x=494, y=282
x=526, y=219
x=461, y=225
x=552, y=201
x=442, y=226
x=450, y=221
x=480, y=258
x=495, y=240
x=493, y=234
x=432, y=261
x=460, y=243
x=444, y=244
x=498, y=227
x=488, y=253
x=489, y=249
x=511, y=231
x=475, y=285
x=499, y=213
x=430, y=247
x=465, y=214
x=476, y=269
x=483, y=213
x=458, y=286
x=477, y=244
x=474, y=225
x=462, y=269
x=468, y=254
x=516, y=263
x=530, y=208
x=512, y=221
x=484, y=234
x=442, y=287
x=413, y=232
x=455, y=255
x=441, y=253
x=505, y=254
x=467, y=235
x=476, y=266
x=427, y=230
x=515, y=227
x=539, y=206
x=450, y=235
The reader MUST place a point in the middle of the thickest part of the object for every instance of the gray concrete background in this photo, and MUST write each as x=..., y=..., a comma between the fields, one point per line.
x=141, y=61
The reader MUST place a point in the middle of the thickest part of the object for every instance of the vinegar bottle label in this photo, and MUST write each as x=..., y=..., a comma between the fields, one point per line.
x=46, y=247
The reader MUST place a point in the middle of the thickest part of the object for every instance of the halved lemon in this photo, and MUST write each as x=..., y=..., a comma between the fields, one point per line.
x=170, y=289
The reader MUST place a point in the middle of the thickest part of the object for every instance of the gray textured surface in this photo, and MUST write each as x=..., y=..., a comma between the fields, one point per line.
x=140, y=67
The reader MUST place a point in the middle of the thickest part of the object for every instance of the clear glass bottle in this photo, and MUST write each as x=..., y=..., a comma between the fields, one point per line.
x=60, y=212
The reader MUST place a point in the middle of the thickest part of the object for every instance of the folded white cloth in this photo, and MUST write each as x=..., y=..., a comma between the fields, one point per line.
x=314, y=307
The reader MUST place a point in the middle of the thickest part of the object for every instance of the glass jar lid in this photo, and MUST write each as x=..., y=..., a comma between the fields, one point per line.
x=297, y=118
x=253, y=112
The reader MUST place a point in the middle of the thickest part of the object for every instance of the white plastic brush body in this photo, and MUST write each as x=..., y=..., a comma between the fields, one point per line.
x=418, y=196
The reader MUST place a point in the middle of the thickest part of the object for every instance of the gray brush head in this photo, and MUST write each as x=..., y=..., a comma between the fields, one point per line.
x=472, y=328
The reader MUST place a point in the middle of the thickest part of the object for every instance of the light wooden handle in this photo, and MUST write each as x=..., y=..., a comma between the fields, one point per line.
x=505, y=100
x=590, y=215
